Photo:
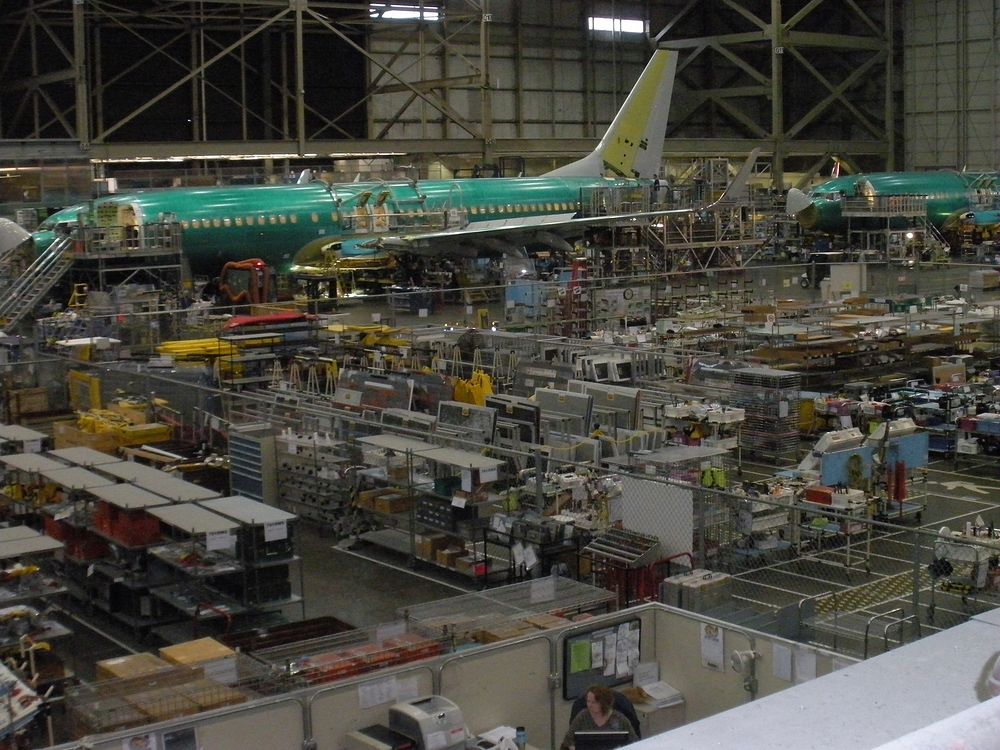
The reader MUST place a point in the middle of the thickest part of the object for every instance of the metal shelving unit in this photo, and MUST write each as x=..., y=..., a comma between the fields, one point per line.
x=769, y=398
x=252, y=462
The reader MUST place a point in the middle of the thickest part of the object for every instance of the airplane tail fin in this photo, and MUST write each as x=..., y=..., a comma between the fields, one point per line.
x=737, y=189
x=305, y=176
x=633, y=144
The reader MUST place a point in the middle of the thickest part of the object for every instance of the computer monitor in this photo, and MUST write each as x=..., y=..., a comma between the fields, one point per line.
x=598, y=740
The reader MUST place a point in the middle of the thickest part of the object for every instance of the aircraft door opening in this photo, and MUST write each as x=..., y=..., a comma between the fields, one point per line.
x=455, y=213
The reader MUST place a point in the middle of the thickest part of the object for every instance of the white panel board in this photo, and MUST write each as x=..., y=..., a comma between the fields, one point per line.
x=660, y=510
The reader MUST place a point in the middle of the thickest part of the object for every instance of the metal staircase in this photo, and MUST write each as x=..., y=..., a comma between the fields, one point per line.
x=19, y=298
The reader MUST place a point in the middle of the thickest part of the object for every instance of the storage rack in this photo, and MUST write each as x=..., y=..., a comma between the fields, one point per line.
x=198, y=569
x=17, y=439
x=252, y=462
x=768, y=397
x=83, y=456
x=157, y=481
x=432, y=503
x=30, y=548
x=24, y=489
x=617, y=559
x=265, y=547
x=310, y=478
x=119, y=583
x=254, y=352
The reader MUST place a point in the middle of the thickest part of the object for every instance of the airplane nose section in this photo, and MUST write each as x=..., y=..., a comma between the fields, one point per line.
x=11, y=235
x=802, y=207
x=796, y=201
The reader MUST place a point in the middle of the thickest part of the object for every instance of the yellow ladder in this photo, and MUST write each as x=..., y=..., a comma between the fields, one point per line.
x=78, y=298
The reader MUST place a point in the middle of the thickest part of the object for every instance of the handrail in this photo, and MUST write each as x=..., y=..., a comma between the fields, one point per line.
x=898, y=610
x=900, y=621
x=805, y=599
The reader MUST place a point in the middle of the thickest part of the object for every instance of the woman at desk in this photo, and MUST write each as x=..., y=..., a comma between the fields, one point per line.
x=599, y=715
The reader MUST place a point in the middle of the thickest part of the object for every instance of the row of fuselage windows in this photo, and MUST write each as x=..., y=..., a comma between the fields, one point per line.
x=278, y=219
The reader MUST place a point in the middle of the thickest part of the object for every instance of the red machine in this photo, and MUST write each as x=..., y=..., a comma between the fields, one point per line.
x=246, y=281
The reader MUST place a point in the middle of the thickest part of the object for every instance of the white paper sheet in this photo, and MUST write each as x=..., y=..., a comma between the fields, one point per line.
x=530, y=561
x=517, y=550
x=597, y=653
x=376, y=693
x=275, y=531
x=646, y=673
x=662, y=693
x=407, y=688
x=217, y=540
x=713, y=647
x=782, y=658
x=610, y=652
x=805, y=665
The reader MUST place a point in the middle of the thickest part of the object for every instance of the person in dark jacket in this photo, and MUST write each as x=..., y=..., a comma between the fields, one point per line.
x=600, y=712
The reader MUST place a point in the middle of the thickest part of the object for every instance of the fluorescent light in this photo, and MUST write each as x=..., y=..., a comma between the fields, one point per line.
x=238, y=157
x=621, y=25
x=401, y=11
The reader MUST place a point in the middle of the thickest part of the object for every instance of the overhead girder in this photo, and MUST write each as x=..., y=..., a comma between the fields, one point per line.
x=741, y=63
x=186, y=45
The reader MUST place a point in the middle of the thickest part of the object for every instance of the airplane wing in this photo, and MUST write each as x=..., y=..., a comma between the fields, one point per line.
x=510, y=231
x=529, y=227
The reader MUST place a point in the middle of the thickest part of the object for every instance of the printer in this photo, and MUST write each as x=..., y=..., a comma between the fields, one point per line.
x=433, y=722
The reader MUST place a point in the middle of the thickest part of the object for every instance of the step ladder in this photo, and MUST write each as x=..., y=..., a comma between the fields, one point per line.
x=78, y=298
x=20, y=298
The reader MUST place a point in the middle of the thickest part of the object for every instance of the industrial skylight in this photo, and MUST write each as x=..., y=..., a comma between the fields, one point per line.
x=620, y=25
x=404, y=11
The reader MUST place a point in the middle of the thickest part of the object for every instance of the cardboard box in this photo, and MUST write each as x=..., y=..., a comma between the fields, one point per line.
x=27, y=401
x=367, y=498
x=427, y=545
x=208, y=694
x=162, y=703
x=505, y=631
x=133, y=665
x=544, y=621
x=395, y=502
x=218, y=660
x=448, y=556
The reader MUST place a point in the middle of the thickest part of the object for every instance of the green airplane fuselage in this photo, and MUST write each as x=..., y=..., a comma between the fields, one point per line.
x=289, y=225
x=947, y=193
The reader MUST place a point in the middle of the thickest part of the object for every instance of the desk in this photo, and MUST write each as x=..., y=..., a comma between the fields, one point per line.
x=656, y=719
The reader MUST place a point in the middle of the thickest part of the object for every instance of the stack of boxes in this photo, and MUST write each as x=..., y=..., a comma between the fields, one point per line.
x=347, y=662
x=384, y=500
x=697, y=590
x=132, y=527
x=216, y=660
x=81, y=543
x=139, y=689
